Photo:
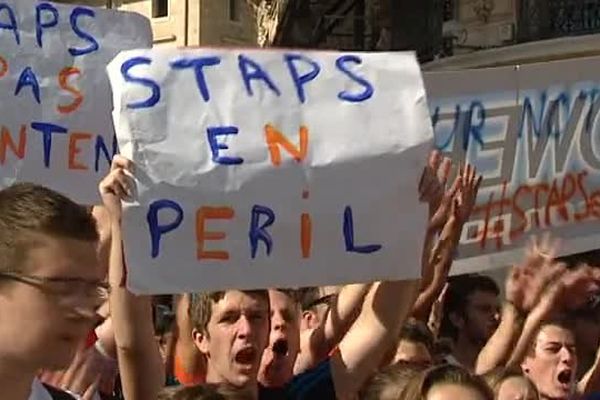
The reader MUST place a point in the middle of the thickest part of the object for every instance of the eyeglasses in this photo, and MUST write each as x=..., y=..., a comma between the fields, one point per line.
x=61, y=287
x=325, y=300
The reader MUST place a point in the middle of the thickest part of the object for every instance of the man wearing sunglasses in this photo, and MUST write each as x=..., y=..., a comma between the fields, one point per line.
x=50, y=286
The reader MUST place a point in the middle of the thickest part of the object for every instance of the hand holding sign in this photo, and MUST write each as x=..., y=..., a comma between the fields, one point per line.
x=117, y=186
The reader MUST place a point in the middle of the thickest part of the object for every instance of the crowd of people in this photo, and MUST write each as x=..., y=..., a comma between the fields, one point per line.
x=69, y=327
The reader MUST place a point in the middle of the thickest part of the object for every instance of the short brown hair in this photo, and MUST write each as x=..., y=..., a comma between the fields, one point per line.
x=496, y=377
x=294, y=294
x=562, y=321
x=202, y=303
x=205, y=392
x=389, y=383
x=420, y=385
x=26, y=208
x=417, y=332
x=459, y=292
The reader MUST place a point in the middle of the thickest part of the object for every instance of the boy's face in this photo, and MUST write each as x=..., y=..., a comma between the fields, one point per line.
x=237, y=334
x=413, y=352
x=278, y=359
x=552, y=365
x=47, y=310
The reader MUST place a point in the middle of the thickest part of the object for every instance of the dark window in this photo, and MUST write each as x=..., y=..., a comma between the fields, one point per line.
x=449, y=10
x=234, y=10
x=160, y=8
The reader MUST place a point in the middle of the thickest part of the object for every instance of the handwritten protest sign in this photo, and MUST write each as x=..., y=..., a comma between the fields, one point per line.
x=270, y=168
x=55, y=103
x=533, y=132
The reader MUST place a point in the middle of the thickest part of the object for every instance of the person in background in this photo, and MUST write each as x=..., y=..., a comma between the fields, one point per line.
x=204, y=392
x=447, y=382
x=510, y=384
x=189, y=365
x=471, y=316
x=586, y=319
x=279, y=357
x=415, y=344
x=163, y=316
x=551, y=362
x=536, y=336
x=586, y=326
x=327, y=315
x=389, y=382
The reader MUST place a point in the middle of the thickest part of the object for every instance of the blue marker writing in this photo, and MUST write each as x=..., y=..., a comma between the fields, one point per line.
x=156, y=230
x=258, y=232
x=76, y=15
x=342, y=64
x=149, y=83
x=251, y=70
x=28, y=78
x=215, y=146
x=198, y=65
x=47, y=130
x=349, y=236
x=11, y=25
x=292, y=61
x=42, y=23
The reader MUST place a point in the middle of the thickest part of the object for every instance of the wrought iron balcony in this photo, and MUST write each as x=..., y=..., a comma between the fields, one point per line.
x=548, y=19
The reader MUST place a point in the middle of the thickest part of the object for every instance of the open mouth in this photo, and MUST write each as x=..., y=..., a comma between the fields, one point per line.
x=280, y=347
x=246, y=356
x=565, y=377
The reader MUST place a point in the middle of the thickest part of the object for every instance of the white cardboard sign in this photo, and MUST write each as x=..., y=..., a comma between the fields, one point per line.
x=55, y=102
x=270, y=168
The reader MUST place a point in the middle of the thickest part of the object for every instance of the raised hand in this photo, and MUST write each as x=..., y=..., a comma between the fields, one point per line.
x=570, y=291
x=117, y=185
x=467, y=193
x=526, y=282
x=443, y=211
x=90, y=372
x=433, y=180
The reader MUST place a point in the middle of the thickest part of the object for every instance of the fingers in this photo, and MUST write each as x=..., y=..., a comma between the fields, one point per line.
x=554, y=272
x=435, y=159
x=120, y=162
x=119, y=183
x=427, y=186
x=444, y=170
x=456, y=186
x=91, y=390
x=71, y=372
x=51, y=378
x=478, y=183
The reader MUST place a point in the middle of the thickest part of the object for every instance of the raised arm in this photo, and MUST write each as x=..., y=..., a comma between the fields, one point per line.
x=590, y=382
x=140, y=364
x=567, y=293
x=456, y=207
x=344, y=310
x=432, y=191
x=440, y=263
x=385, y=309
x=524, y=286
